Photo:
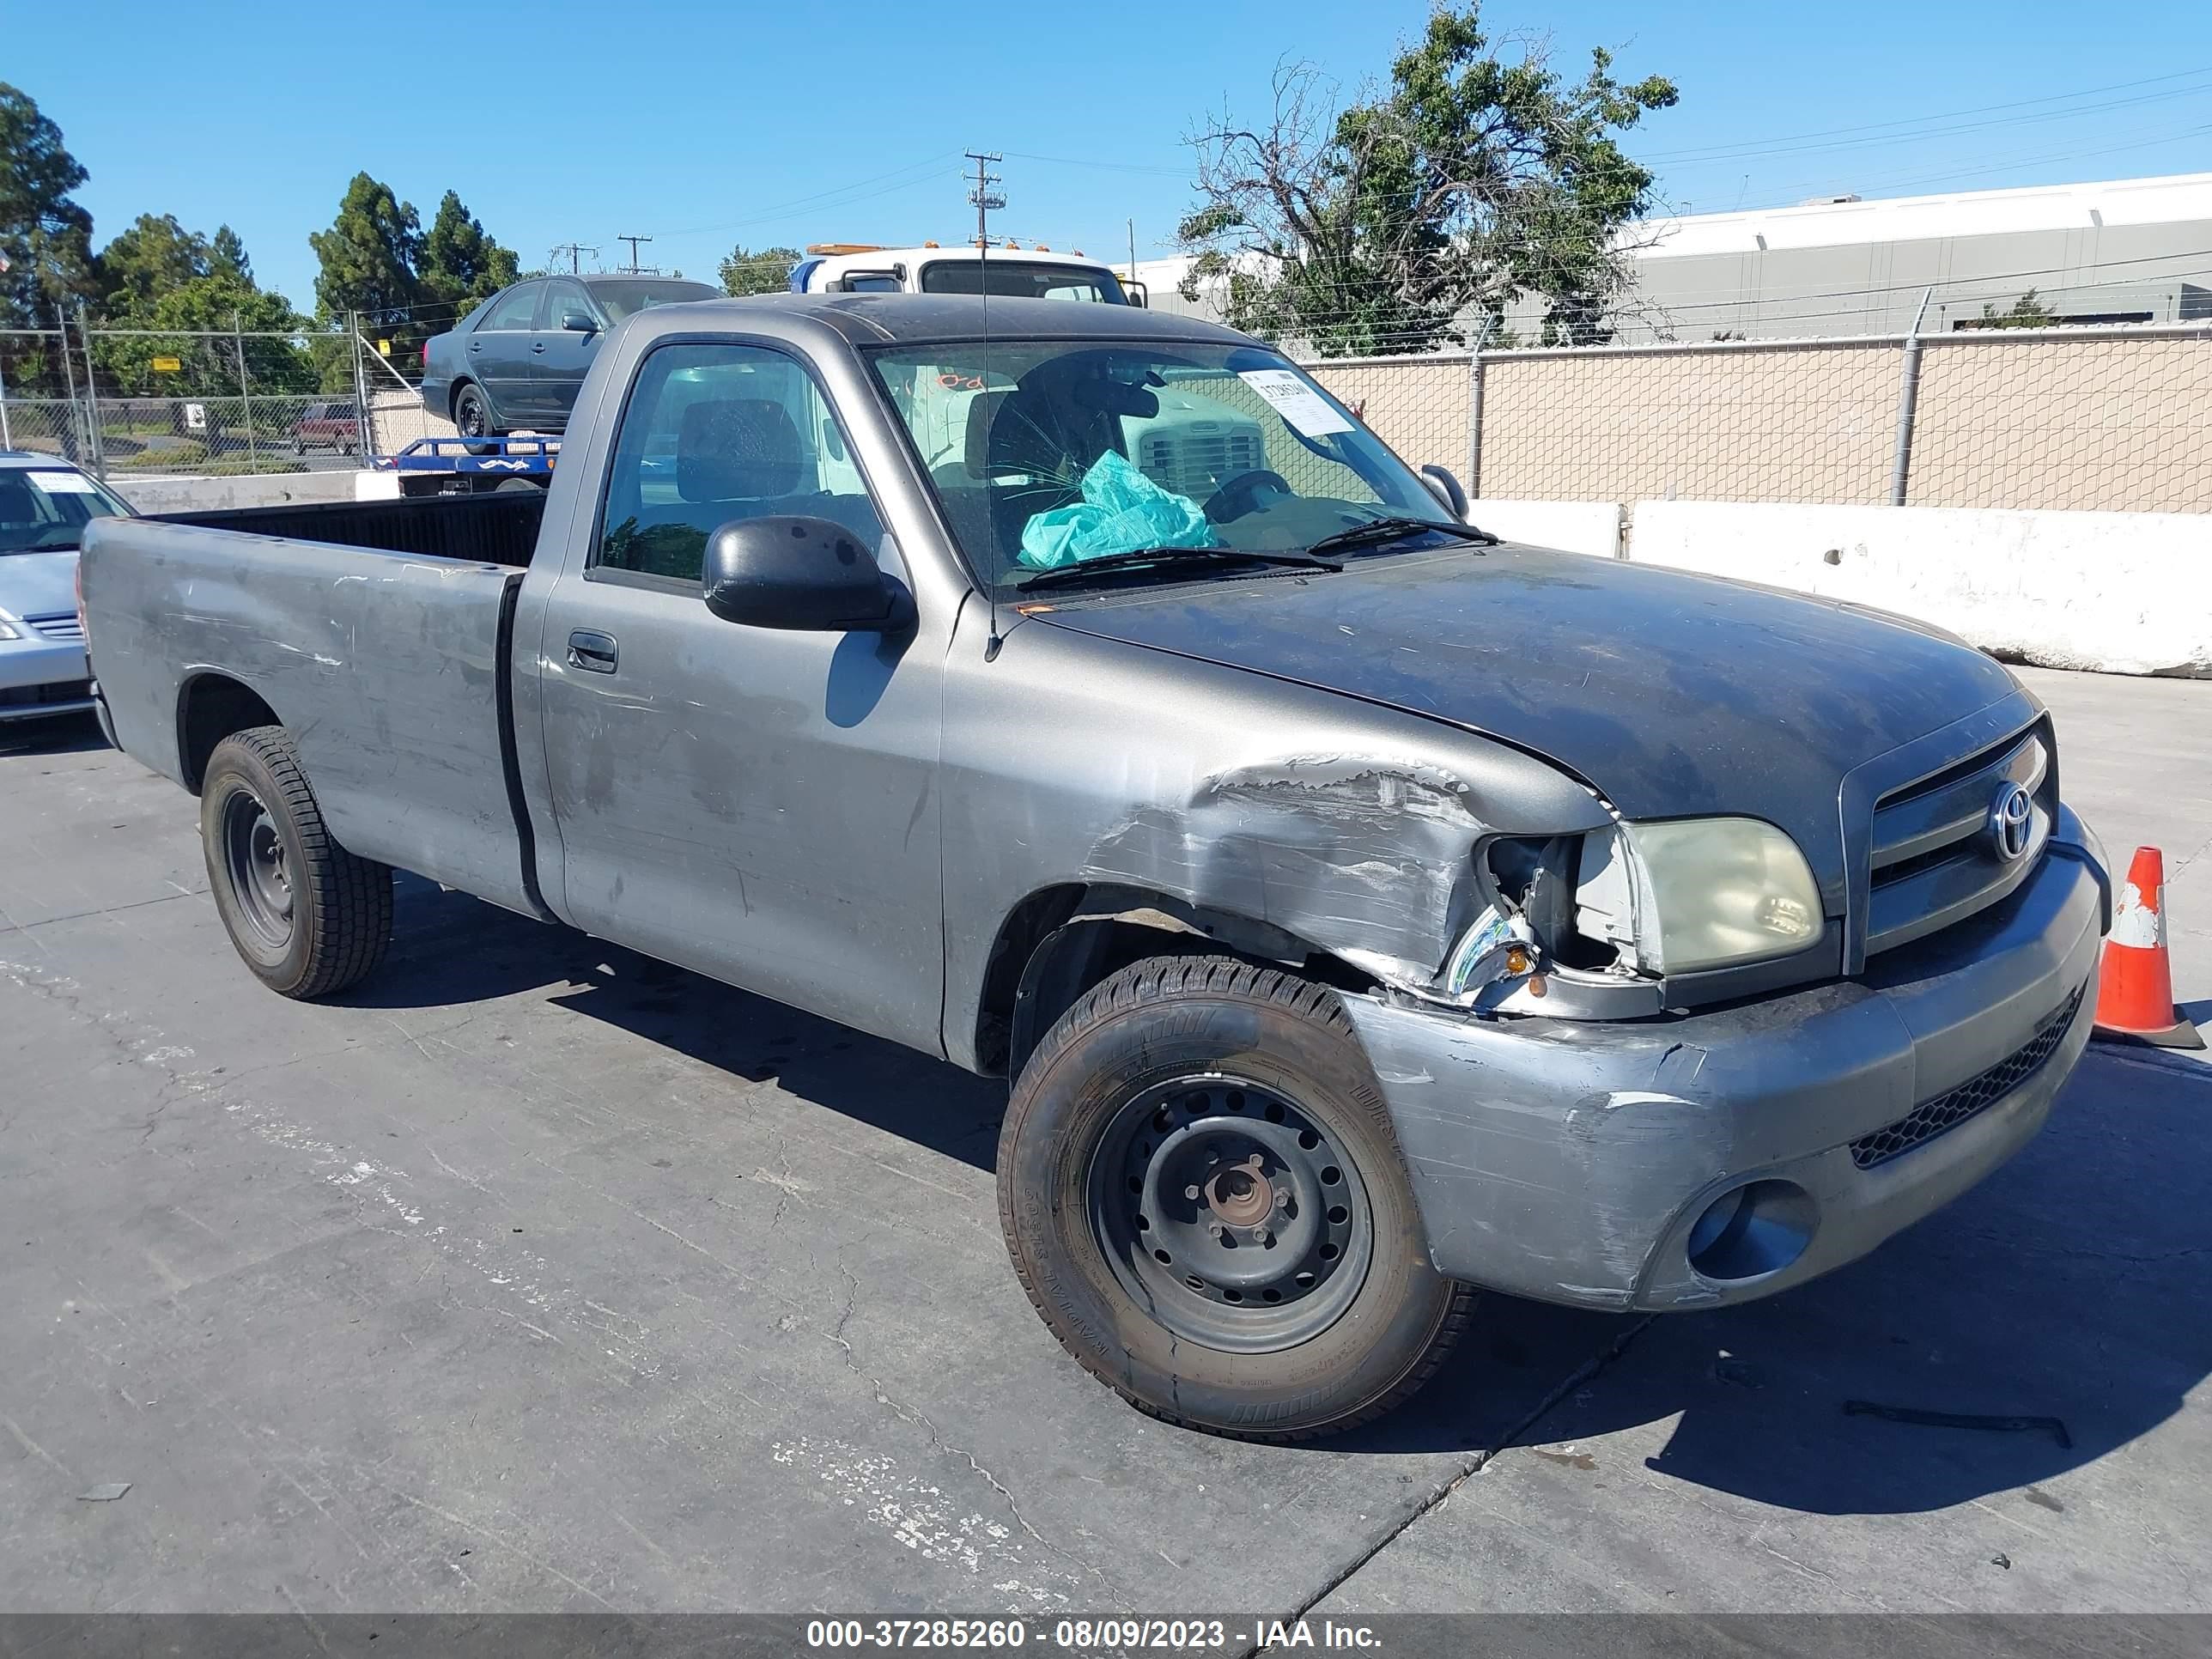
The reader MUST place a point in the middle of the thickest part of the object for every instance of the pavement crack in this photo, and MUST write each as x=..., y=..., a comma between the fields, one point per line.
x=914, y=1414
x=1472, y=1466
x=2203, y=848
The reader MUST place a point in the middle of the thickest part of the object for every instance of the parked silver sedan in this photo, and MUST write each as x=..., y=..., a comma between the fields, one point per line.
x=45, y=504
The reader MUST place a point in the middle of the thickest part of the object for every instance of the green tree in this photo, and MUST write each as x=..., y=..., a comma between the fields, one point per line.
x=460, y=265
x=217, y=316
x=154, y=255
x=767, y=271
x=1394, y=221
x=227, y=255
x=2026, y=312
x=46, y=237
x=370, y=257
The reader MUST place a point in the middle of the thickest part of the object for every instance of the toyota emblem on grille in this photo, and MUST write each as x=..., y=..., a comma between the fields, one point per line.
x=2012, y=822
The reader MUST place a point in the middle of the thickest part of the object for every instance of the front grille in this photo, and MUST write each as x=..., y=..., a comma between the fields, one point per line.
x=1194, y=462
x=1932, y=860
x=63, y=628
x=1953, y=1107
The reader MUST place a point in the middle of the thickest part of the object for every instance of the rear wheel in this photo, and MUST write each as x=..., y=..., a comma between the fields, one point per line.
x=306, y=916
x=472, y=413
x=1205, y=1200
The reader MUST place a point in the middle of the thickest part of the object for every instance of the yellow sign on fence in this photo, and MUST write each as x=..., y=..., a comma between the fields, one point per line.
x=168, y=364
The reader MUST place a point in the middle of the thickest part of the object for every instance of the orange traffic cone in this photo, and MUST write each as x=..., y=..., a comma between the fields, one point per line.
x=2135, y=997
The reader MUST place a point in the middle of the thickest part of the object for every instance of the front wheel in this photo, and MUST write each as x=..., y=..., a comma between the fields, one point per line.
x=306, y=916
x=1206, y=1202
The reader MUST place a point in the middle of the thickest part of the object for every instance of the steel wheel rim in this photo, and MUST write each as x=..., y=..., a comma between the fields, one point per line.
x=472, y=419
x=259, y=868
x=1267, y=1254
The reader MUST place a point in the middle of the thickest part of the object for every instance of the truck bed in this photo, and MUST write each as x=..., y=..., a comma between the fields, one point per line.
x=379, y=634
x=499, y=526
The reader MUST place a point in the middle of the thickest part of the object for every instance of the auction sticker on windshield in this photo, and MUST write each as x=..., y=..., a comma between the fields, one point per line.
x=55, y=481
x=1298, y=403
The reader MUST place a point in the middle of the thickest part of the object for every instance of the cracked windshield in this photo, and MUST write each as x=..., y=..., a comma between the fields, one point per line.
x=1051, y=456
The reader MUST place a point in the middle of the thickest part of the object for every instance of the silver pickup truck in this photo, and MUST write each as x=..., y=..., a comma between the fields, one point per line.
x=1363, y=911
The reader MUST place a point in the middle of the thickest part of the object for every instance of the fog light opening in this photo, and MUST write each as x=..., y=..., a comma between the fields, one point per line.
x=1757, y=1229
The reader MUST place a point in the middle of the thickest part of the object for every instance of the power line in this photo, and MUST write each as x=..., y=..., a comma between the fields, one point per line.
x=633, y=269
x=776, y=210
x=1767, y=146
x=576, y=251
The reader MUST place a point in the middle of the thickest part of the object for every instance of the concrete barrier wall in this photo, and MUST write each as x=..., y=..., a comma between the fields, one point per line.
x=1591, y=527
x=212, y=494
x=2115, y=592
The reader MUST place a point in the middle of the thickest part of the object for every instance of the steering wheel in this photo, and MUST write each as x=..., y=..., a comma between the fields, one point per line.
x=1235, y=499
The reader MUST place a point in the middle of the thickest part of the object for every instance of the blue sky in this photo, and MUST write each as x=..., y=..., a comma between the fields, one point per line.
x=707, y=124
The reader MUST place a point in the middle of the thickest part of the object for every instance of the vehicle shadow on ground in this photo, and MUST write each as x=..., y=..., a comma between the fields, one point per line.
x=2068, y=1291
x=56, y=734
x=449, y=951
x=2065, y=1303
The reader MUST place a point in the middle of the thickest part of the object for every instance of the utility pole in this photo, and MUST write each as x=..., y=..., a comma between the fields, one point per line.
x=633, y=269
x=983, y=196
x=1133, y=250
x=576, y=251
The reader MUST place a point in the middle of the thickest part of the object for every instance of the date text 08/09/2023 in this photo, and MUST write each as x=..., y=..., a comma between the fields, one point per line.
x=1089, y=1635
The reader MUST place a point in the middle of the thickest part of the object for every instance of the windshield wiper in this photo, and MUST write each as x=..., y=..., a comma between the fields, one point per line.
x=1390, y=529
x=1140, y=557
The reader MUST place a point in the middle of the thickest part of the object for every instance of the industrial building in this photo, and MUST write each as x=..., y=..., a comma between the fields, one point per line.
x=2120, y=250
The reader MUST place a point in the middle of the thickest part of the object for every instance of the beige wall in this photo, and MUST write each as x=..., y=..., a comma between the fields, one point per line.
x=2107, y=422
x=2114, y=425
x=1419, y=407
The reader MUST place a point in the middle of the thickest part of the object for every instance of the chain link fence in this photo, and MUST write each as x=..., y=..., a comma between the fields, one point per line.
x=129, y=403
x=2088, y=418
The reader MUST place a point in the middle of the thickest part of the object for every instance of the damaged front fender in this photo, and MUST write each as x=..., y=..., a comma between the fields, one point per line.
x=1346, y=829
x=1367, y=857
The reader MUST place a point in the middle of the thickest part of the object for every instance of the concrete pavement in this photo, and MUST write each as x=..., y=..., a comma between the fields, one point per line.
x=538, y=1275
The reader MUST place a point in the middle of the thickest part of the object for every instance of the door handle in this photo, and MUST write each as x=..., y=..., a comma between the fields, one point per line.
x=593, y=653
x=540, y=348
x=475, y=346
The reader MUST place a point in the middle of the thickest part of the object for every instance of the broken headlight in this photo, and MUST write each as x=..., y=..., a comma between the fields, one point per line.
x=1693, y=894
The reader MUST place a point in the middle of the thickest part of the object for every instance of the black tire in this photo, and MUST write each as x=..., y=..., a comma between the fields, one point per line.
x=306, y=916
x=1237, y=1057
x=472, y=415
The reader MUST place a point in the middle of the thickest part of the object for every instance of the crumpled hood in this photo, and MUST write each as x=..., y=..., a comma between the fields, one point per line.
x=37, y=583
x=1672, y=695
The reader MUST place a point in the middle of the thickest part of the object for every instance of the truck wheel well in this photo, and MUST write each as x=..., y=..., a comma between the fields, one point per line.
x=1061, y=941
x=210, y=709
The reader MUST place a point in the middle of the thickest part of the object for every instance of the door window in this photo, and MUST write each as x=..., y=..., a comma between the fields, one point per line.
x=565, y=297
x=717, y=432
x=515, y=309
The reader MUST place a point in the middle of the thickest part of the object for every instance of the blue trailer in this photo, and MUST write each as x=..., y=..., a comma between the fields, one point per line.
x=463, y=466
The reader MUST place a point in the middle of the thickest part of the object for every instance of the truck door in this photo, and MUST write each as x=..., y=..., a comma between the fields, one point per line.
x=755, y=803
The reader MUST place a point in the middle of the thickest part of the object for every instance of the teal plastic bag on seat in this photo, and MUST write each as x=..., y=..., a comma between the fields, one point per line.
x=1121, y=510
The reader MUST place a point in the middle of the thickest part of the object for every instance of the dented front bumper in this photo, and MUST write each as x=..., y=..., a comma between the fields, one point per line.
x=1589, y=1163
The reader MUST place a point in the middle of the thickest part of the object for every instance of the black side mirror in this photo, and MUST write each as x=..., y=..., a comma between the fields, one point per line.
x=1446, y=488
x=580, y=322
x=803, y=574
